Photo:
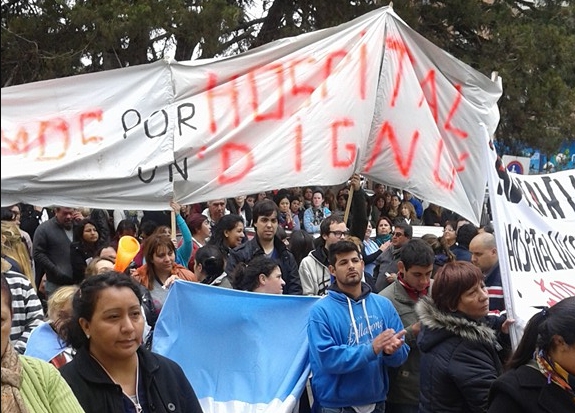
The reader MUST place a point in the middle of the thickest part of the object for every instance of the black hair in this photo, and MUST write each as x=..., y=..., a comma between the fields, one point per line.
x=325, y=225
x=126, y=225
x=465, y=234
x=282, y=193
x=294, y=198
x=407, y=229
x=84, y=303
x=246, y=276
x=318, y=191
x=147, y=228
x=489, y=228
x=265, y=208
x=341, y=247
x=104, y=246
x=79, y=230
x=6, y=214
x=212, y=261
x=300, y=244
x=541, y=329
x=416, y=252
x=226, y=223
x=281, y=233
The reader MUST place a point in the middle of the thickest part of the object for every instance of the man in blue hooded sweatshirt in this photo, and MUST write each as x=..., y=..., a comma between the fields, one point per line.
x=354, y=335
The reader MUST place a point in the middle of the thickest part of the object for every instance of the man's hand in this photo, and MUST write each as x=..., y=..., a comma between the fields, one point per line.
x=506, y=324
x=390, y=277
x=388, y=341
x=177, y=208
x=355, y=182
x=385, y=245
x=77, y=216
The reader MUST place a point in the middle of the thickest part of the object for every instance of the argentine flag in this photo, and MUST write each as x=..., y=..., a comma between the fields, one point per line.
x=241, y=351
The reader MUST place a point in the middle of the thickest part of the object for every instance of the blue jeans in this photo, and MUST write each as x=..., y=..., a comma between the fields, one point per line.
x=401, y=408
x=379, y=408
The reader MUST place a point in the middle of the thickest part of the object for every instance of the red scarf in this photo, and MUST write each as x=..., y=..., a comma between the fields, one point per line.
x=412, y=292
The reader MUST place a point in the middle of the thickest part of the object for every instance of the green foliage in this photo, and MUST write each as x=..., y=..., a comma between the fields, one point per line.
x=532, y=48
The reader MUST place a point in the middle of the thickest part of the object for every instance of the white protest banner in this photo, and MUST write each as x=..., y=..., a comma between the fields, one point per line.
x=534, y=221
x=370, y=95
x=71, y=141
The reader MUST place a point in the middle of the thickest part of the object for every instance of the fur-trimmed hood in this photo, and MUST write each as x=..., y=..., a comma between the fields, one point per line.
x=441, y=325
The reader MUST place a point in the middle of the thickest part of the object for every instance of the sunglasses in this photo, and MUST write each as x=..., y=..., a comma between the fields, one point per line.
x=398, y=234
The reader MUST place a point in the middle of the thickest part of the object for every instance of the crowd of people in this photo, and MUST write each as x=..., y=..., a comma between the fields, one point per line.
x=407, y=324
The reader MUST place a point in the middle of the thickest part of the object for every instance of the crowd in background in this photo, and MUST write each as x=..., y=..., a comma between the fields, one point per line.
x=285, y=241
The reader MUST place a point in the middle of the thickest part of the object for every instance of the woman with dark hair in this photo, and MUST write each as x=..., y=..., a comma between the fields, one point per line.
x=296, y=211
x=209, y=267
x=261, y=275
x=465, y=233
x=316, y=213
x=370, y=250
x=228, y=233
x=86, y=242
x=286, y=219
x=383, y=230
x=300, y=245
x=540, y=373
x=112, y=371
x=459, y=360
x=377, y=207
x=392, y=210
x=125, y=227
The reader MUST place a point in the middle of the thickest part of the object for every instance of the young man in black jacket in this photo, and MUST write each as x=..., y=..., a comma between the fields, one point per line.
x=265, y=221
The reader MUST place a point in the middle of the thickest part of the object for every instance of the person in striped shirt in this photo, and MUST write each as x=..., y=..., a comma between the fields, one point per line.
x=27, y=308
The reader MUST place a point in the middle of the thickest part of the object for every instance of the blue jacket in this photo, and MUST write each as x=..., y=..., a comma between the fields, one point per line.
x=345, y=369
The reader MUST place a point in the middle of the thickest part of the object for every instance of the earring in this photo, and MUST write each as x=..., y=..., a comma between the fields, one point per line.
x=88, y=336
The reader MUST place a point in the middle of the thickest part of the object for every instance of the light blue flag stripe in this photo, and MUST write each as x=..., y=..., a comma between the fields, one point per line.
x=236, y=345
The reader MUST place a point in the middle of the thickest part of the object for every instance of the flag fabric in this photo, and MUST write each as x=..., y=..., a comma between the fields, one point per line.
x=534, y=223
x=242, y=352
x=369, y=96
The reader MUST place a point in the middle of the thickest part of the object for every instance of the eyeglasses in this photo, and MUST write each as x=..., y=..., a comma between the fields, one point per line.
x=398, y=234
x=339, y=234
